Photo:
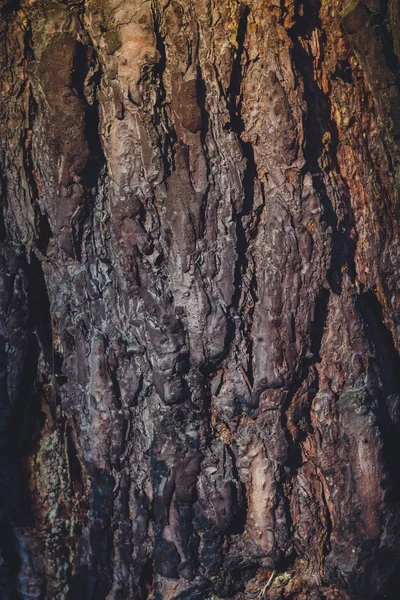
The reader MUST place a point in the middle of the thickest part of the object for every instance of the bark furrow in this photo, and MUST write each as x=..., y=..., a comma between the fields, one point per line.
x=199, y=324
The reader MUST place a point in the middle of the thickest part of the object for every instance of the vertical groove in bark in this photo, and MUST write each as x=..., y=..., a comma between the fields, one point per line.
x=199, y=325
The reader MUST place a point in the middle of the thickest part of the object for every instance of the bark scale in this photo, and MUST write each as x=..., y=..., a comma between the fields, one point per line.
x=200, y=371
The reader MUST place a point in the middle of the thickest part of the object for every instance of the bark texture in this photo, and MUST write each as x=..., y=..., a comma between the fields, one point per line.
x=199, y=299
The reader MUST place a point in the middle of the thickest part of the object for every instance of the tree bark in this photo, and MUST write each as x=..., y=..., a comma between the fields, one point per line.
x=199, y=307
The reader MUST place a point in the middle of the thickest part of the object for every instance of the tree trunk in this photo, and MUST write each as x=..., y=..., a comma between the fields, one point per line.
x=199, y=307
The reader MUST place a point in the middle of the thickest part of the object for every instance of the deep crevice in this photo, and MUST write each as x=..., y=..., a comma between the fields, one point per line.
x=146, y=578
x=382, y=31
x=328, y=524
x=10, y=561
x=317, y=123
x=3, y=201
x=240, y=504
x=387, y=360
x=39, y=308
x=27, y=150
x=201, y=95
x=316, y=334
x=237, y=125
x=75, y=468
x=84, y=59
x=343, y=71
x=10, y=6
x=44, y=232
x=167, y=141
x=234, y=105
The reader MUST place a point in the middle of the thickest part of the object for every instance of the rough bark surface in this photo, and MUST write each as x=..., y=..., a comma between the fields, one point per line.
x=199, y=299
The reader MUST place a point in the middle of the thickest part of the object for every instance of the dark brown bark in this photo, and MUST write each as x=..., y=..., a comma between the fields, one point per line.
x=200, y=371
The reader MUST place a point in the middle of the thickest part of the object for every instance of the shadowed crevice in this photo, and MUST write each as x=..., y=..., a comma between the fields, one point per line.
x=317, y=125
x=388, y=363
x=85, y=59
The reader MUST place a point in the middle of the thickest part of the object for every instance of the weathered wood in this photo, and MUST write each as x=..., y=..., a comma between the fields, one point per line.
x=200, y=371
